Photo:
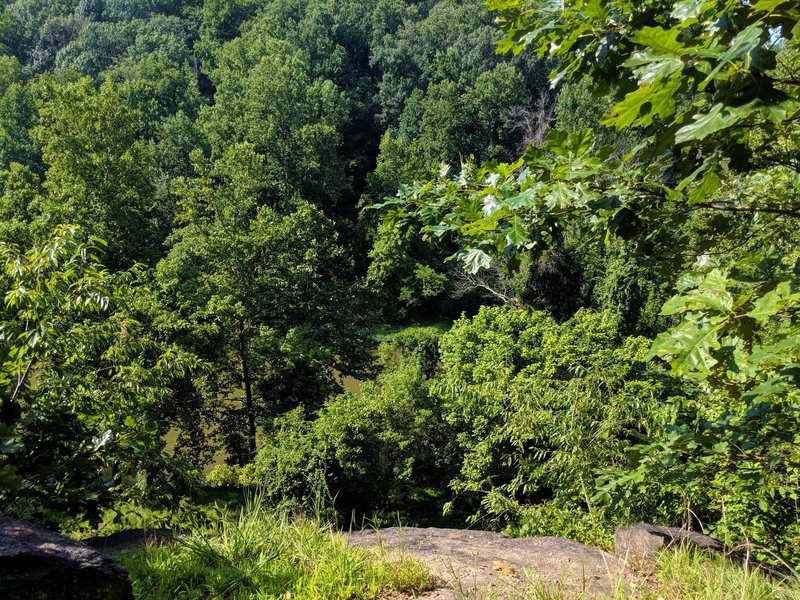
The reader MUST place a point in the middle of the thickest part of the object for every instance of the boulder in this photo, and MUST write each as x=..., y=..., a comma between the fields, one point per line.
x=36, y=564
x=640, y=543
x=131, y=540
x=484, y=564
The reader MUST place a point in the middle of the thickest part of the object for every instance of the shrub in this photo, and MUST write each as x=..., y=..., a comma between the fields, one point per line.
x=383, y=448
x=541, y=407
x=385, y=444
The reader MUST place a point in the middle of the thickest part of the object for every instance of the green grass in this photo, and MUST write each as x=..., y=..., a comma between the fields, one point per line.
x=261, y=555
x=683, y=574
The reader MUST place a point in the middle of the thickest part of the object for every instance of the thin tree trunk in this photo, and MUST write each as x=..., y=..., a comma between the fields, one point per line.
x=248, y=393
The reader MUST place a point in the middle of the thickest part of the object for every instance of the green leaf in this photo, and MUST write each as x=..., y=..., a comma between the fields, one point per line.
x=475, y=260
x=688, y=347
x=768, y=5
x=650, y=67
x=662, y=41
x=710, y=183
x=662, y=104
x=517, y=235
x=627, y=110
x=687, y=9
x=774, y=302
x=673, y=306
x=522, y=200
x=704, y=125
x=745, y=41
x=595, y=9
x=581, y=141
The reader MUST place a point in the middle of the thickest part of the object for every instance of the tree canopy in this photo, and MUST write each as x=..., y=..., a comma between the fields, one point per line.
x=709, y=197
x=533, y=264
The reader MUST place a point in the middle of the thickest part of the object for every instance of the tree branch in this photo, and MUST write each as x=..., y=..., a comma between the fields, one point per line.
x=749, y=209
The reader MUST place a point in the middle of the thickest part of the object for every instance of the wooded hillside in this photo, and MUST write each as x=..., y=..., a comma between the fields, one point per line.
x=530, y=265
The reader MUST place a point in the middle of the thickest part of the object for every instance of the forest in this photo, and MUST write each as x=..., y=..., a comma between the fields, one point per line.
x=515, y=265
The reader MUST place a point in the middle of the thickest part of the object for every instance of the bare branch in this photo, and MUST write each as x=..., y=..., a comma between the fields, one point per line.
x=533, y=121
x=490, y=282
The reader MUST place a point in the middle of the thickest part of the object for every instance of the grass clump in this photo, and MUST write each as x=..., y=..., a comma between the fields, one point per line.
x=262, y=555
x=685, y=574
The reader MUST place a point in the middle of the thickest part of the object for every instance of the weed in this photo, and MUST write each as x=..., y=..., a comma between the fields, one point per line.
x=262, y=555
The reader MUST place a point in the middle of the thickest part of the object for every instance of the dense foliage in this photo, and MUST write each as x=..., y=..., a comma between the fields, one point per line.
x=86, y=384
x=709, y=198
x=202, y=240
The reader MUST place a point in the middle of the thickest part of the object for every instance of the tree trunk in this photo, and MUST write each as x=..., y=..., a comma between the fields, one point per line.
x=248, y=393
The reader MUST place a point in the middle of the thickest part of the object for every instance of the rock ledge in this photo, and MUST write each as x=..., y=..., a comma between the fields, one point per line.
x=494, y=565
x=36, y=564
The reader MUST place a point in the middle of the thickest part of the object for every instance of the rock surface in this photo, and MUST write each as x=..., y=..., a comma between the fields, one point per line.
x=36, y=564
x=132, y=539
x=640, y=543
x=483, y=564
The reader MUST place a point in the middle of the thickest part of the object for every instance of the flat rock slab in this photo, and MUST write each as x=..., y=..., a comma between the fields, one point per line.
x=483, y=564
x=130, y=540
x=36, y=564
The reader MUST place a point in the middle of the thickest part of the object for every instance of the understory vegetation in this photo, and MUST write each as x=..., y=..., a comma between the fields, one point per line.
x=261, y=554
x=525, y=266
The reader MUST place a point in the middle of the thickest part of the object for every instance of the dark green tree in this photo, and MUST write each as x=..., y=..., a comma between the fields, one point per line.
x=99, y=174
x=266, y=294
x=17, y=114
x=266, y=97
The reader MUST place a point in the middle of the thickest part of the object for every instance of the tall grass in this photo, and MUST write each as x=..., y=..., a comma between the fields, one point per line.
x=684, y=574
x=262, y=555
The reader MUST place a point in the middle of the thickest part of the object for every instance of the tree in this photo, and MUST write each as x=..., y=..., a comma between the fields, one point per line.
x=96, y=48
x=445, y=96
x=82, y=386
x=266, y=97
x=383, y=447
x=21, y=189
x=17, y=114
x=711, y=199
x=99, y=174
x=264, y=292
x=158, y=75
x=40, y=29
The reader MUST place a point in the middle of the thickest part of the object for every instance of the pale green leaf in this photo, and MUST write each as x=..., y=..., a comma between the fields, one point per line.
x=475, y=260
x=650, y=67
x=774, y=302
x=687, y=9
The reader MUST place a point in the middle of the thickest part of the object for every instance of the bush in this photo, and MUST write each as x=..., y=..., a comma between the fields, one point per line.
x=386, y=444
x=541, y=407
x=383, y=448
x=289, y=465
